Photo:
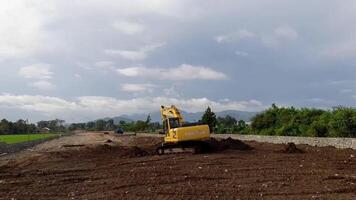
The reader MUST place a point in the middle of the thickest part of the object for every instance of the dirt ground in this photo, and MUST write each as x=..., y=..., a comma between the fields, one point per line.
x=106, y=166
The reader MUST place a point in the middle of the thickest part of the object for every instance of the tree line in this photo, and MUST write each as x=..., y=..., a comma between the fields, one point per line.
x=23, y=127
x=337, y=122
x=289, y=121
x=283, y=121
x=109, y=125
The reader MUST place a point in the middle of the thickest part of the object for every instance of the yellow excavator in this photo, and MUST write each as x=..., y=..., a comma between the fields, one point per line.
x=181, y=136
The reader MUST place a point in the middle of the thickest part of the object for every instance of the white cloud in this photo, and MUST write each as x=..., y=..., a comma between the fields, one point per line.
x=36, y=71
x=270, y=39
x=241, y=53
x=129, y=87
x=99, y=106
x=43, y=85
x=172, y=92
x=22, y=27
x=280, y=35
x=139, y=54
x=319, y=100
x=127, y=54
x=183, y=72
x=42, y=104
x=235, y=36
x=340, y=50
x=286, y=32
x=179, y=9
x=129, y=28
x=41, y=73
x=346, y=91
x=104, y=64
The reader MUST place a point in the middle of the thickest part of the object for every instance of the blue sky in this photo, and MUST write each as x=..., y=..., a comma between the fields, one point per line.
x=88, y=59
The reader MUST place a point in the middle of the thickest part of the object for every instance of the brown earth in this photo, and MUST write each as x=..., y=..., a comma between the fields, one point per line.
x=87, y=166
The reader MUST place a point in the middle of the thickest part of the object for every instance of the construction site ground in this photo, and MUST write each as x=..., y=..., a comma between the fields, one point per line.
x=90, y=165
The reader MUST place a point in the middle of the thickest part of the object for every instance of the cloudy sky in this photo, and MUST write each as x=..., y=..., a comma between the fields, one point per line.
x=85, y=59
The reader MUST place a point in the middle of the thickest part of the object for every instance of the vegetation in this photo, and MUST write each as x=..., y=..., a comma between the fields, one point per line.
x=338, y=122
x=209, y=118
x=284, y=121
x=18, y=127
x=12, y=139
x=56, y=125
x=23, y=127
x=108, y=125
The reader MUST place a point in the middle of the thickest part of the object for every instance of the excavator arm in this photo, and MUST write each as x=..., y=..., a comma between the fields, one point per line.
x=171, y=112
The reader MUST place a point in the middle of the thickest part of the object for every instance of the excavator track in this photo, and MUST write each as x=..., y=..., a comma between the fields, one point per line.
x=195, y=147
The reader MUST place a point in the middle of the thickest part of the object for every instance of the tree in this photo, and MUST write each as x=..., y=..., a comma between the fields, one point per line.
x=110, y=125
x=148, y=119
x=227, y=121
x=100, y=125
x=209, y=118
x=90, y=126
x=5, y=127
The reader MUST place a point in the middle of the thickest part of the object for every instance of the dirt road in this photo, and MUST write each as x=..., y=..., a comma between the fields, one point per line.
x=105, y=166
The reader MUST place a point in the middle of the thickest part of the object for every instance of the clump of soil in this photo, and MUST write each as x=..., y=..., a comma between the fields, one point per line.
x=292, y=148
x=235, y=144
x=103, y=151
x=229, y=143
x=108, y=141
x=119, y=151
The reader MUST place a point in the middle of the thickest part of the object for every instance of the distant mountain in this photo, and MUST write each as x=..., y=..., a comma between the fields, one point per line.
x=189, y=117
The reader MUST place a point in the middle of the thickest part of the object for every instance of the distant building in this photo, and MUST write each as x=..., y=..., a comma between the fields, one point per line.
x=45, y=130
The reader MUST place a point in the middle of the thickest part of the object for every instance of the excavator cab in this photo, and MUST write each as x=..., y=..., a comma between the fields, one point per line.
x=168, y=124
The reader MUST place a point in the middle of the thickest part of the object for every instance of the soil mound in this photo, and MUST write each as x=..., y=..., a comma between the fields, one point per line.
x=103, y=151
x=119, y=151
x=147, y=141
x=229, y=143
x=235, y=144
x=292, y=148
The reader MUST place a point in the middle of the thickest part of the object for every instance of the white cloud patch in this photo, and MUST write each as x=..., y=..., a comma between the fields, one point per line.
x=241, y=53
x=183, y=72
x=106, y=66
x=280, y=35
x=36, y=71
x=340, y=50
x=130, y=87
x=139, y=54
x=41, y=74
x=235, y=36
x=99, y=106
x=270, y=39
x=22, y=28
x=129, y=28
x=180, y=9
x=286, y=32
x=43, y=85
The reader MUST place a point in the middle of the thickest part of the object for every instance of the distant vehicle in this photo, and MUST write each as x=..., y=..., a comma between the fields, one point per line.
x=119, y=131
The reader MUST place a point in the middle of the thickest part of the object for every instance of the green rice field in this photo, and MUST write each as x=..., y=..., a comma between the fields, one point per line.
x=12, y=139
